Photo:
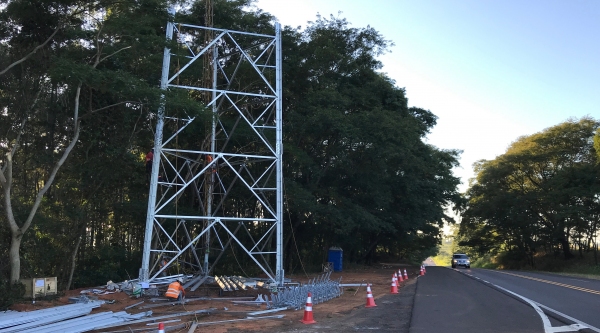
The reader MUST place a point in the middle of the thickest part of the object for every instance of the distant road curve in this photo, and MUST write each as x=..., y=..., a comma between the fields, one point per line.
x=429, y=262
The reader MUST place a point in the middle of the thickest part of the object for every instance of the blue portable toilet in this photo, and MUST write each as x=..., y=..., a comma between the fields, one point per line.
x=335, y=256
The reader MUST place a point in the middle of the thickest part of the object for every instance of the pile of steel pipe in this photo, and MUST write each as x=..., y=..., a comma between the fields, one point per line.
x=71, y=318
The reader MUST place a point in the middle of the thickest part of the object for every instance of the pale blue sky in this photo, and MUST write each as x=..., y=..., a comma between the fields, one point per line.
x=490, y=70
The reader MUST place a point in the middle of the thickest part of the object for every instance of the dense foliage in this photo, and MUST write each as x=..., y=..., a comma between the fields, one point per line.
x=358, y=173
x=541, y=196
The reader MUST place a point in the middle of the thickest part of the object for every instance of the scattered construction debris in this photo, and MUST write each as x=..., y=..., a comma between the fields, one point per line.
x=73, y=318
x=154, y=319
x=206, y=323
x=77, y=317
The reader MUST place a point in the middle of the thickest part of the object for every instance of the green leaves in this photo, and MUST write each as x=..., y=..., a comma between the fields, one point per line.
x=357, y=172
x=358, y=149
x=541, y=194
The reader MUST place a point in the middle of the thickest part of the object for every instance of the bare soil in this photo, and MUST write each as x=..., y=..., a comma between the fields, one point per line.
x=338, y=315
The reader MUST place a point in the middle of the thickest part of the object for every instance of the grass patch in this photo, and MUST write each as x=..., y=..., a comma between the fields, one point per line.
x=583, y=266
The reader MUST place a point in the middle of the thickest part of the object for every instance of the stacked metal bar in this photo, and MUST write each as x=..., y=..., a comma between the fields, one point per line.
x=71, y=318
x=232, y=283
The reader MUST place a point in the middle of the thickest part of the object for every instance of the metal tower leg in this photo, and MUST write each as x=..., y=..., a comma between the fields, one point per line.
x=144, y=270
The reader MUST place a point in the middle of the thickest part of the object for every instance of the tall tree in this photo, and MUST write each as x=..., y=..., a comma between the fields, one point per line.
x=71, y=68
x=358, y=171
x=541, y=193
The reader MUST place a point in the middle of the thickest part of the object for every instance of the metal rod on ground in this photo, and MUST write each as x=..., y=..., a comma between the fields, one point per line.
x=359, y=287
x=177, y=327
x=266, y=311
x=243, y=319
x=133, y=305
x=173, y=303
x=193, y=327
x=180, y=314
x=164, y=322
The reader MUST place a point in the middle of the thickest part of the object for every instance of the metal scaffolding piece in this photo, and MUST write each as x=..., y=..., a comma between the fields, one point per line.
x=19, y=321
x=321, y=287
x=229, y=176
x=73, y=318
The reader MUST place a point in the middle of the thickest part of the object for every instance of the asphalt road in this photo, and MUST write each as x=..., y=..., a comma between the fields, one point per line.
x=572, y=300
x=477, y=300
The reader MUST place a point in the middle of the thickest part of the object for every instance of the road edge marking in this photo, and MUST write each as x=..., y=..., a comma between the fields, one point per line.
x=554, y=283
x=548, y=328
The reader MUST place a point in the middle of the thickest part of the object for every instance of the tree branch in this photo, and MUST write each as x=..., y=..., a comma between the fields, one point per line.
x=112, y=54
x=66, y=152
x=18, y=139
x=109, y=106
x=37, y=48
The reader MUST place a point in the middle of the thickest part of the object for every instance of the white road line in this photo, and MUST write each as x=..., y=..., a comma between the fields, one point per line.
x=595, y=329
x=579, y=325
x=580, y=280
x=547, y=325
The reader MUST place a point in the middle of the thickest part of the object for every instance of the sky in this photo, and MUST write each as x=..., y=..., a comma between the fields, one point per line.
x=491, y=71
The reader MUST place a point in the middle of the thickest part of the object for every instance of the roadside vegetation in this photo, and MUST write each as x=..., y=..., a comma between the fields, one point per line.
x=537, y=206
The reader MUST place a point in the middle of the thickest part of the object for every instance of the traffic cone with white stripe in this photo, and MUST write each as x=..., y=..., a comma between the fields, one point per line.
x=161, y=328
x=370, y=300
x=394, y=288
x=405, y=275
x=308, y=315
x=421, y=271
x=400, y=275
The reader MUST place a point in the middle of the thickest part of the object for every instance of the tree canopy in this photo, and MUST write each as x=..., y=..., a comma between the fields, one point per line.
x=542, y=195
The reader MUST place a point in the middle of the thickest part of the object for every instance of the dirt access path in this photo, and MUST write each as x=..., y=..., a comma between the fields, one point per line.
x=348, y=312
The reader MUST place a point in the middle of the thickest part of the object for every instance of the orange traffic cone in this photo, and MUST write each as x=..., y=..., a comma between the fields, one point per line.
x=308, y=315
x=394, y=289
x=405, y=275
x=370, y=300
x=161, y=328
x=421, y=271
x=400, y=275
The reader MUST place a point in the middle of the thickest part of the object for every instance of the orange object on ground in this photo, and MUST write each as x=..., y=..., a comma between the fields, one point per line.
x=308, y=313
x=394, y=288
x=370, y=300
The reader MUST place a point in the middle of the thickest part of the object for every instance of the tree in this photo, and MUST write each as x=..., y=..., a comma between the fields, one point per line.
x=69, y=64
x=359, y=174
x=541, y=193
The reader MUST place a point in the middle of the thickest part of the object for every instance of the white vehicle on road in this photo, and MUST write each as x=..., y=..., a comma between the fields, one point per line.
x=460, y=259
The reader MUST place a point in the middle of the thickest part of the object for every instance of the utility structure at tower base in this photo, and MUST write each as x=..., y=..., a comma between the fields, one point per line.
x=216, y=185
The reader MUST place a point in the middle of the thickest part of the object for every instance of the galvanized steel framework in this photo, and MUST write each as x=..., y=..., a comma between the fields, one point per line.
x=245, y=98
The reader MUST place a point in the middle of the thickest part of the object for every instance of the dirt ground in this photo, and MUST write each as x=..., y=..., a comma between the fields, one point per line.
x=336, y=315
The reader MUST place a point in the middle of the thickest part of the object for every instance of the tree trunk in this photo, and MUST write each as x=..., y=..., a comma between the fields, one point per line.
x=14, y=257
x=565, y=248
x=73, y=260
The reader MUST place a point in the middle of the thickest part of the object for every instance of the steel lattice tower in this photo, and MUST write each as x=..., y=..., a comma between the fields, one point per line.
x=236, y=176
